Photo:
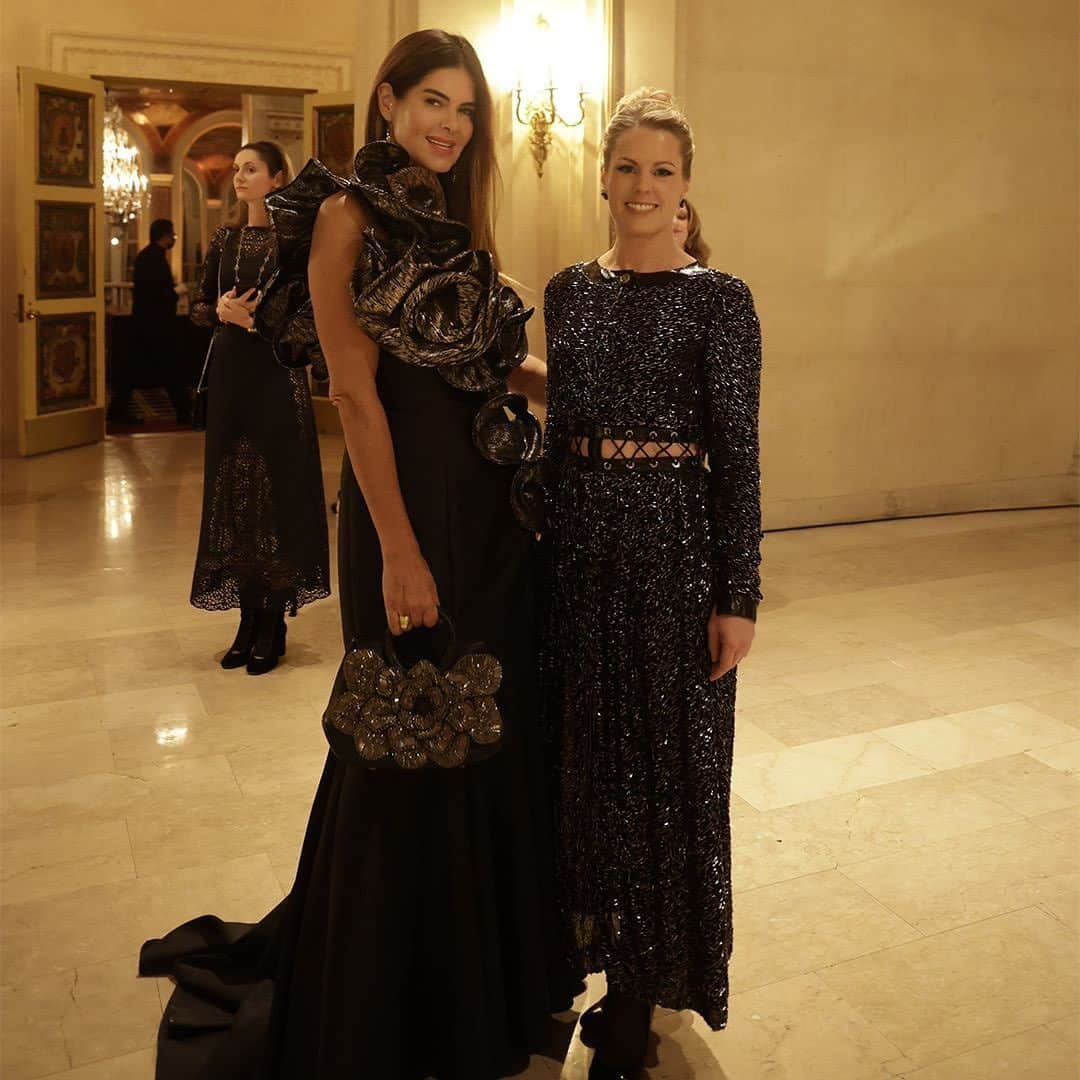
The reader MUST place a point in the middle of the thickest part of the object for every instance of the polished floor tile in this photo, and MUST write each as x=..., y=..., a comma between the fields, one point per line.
x=1063, y=705
x=797, y=1029
x=827, y=833
x=953, y=882
x=1022, y=783
x=55, y=860
x=1065, y=757
x=941, y=996
x=962, y=738
x=807, y=923
x=818, y=769
x=906, y=807
x=96, y=923
x=1068, y=1030
x=1027, y=1056
x=833, y=714
x=136, y=1066
x=71, y=1018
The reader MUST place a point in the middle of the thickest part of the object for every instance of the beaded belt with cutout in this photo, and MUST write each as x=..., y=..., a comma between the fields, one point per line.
x=633, y=447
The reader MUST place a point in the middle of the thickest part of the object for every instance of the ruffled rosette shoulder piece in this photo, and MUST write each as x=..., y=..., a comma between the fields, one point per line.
x=419, y=291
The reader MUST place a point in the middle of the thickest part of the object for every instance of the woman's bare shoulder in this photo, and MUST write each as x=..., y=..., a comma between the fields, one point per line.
x=345, y=210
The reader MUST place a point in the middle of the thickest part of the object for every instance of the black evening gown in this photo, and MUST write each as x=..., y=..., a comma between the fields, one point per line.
x=263, y=541
x=421, y=936
x=638, y=550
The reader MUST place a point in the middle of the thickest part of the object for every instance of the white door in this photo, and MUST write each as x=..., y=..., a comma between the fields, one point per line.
x=60, y=221
x=331, y=135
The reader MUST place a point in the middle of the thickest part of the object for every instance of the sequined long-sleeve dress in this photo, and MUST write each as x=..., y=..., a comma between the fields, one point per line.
x=649, y=373
x=263, y=539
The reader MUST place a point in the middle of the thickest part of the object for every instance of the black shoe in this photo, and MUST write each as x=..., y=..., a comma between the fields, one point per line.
x=599, y=1071
x=240, y=650
x=618, y=1027
x=269, y=643
x=592, y=1024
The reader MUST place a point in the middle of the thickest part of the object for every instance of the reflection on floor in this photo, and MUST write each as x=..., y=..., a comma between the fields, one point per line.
x=905, y=821
x=151, y=412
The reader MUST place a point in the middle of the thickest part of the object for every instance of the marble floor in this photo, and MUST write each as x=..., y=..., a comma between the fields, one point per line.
x=905, y=819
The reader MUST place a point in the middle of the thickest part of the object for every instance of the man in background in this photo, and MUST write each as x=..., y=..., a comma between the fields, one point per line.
x=153, y=360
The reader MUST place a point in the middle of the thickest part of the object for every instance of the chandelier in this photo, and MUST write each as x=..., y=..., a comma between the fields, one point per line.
x=124, y=182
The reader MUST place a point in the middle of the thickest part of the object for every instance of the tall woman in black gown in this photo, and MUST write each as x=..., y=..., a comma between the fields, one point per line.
x=419, y=938
x=263, y=543
x=653, y=559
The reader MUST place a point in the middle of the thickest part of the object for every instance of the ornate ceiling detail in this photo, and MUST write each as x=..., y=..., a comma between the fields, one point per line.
x=190, y=58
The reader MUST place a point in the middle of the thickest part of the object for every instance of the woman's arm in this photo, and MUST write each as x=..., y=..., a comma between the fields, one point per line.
x=353, y=361
x=529, y=378
x=204, y=303
x=732, y=377
x=555, y=419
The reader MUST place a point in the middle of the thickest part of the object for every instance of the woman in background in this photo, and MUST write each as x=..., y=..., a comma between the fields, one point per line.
x=652, y=589
x=687, y=229
x=263, y=541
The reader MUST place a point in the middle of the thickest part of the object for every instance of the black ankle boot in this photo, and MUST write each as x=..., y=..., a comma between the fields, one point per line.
x=592, y=1024
x=269, y=643
x=599, y=1071
x=620, y=1026
x=240, y=649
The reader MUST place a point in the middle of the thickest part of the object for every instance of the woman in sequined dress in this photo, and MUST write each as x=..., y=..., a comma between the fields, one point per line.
x=652, y=586
x=263, y=541
x=421, y=936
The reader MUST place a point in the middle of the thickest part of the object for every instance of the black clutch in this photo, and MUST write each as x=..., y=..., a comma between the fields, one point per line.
x=384, y=713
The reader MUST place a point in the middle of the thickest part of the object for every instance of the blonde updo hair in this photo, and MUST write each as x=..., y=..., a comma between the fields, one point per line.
x=654, y=108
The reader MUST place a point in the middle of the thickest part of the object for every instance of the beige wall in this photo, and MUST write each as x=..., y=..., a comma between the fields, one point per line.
x=898, y=187
x=898, y=184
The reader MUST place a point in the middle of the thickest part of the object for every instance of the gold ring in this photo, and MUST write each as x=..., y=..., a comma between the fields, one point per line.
x=404, y=622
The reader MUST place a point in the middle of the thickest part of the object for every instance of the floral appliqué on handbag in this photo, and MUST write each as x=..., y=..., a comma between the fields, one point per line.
x=383, y=714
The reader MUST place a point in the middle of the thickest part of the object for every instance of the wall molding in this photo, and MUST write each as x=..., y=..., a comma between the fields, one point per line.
x=190, y=58
x=1026, y=493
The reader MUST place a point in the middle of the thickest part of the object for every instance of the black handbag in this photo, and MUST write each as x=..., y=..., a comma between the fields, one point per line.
x=414, y=714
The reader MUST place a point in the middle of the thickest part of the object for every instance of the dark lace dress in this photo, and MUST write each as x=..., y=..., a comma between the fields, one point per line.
x=649, y=373
x=263, y=539
x=421, y=935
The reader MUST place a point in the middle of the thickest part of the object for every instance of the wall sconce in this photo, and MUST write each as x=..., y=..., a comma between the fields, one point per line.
x=535, y=101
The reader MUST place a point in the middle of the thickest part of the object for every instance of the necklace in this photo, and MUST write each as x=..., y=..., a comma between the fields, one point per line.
x=259, y=276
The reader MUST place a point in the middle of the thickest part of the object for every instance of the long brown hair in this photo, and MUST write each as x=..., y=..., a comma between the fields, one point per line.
x=695, y=243
x=273, y=157
x=472, y=186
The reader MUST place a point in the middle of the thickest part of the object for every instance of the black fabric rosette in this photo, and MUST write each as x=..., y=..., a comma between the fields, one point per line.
x=507, y=433
x=386, y=711
x=419, y=291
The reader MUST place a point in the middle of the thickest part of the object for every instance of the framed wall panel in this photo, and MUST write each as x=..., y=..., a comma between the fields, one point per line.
x=65, y=250
x=65, y=123
x=334, y=143
x=66, y=349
